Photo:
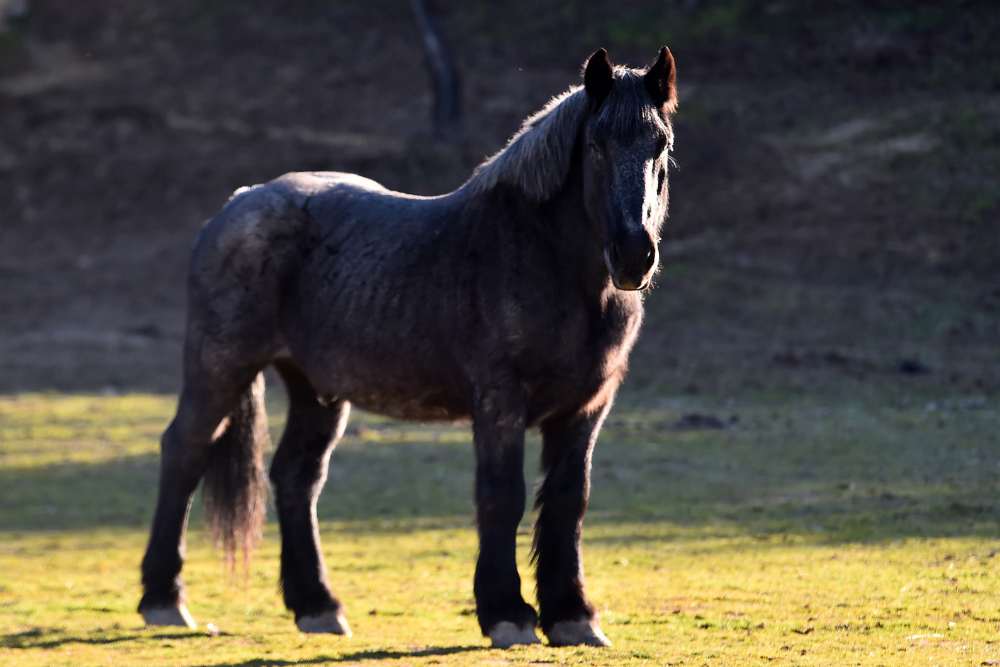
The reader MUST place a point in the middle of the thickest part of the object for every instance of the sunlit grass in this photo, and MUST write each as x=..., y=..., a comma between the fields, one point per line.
x=799, y=533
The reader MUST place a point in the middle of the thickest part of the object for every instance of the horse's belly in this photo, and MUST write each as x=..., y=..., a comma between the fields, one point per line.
x=428, y=405
x=392, y=386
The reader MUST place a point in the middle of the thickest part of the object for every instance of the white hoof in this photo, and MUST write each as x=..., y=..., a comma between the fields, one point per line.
x=505, y=634
x=329, y=622
x=176, y=616
x=575, y=633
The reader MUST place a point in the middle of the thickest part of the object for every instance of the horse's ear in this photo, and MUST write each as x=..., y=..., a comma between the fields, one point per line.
x=661, y=81
x=598, y=77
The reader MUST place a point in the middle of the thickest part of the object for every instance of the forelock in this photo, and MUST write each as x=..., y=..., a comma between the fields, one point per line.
x=628, y=111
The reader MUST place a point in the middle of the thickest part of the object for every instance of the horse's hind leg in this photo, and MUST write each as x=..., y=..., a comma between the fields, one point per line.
x=209, y=403
x=298, y=473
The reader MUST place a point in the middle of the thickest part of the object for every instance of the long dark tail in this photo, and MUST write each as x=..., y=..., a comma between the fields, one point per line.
x=235, y=485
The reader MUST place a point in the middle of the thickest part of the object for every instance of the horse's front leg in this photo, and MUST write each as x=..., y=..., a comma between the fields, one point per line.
x=567, y=617
x=498, y=429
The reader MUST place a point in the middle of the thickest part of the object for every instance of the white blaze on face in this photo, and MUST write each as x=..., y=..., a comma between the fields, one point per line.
x=630, y=191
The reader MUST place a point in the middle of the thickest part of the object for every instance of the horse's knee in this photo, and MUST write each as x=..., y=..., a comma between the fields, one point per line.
x=500, y=496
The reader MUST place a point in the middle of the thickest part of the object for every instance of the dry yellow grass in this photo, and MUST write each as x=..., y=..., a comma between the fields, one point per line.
x=799, y=534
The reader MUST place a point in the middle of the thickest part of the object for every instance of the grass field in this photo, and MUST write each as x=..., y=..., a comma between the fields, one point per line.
x=721, y=532
x=806, y=467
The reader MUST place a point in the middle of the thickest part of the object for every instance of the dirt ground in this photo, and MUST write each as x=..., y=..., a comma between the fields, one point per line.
x=834, y=219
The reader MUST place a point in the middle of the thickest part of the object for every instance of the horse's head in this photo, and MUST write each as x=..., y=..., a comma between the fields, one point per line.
x=627, y=138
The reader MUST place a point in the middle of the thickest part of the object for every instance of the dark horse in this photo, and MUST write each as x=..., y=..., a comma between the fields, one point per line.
x=513, y=301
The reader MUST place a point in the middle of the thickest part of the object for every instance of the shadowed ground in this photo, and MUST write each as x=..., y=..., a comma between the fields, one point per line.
x=722, y=531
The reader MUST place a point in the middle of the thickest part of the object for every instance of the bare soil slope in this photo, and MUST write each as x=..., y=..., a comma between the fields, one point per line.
x=834, y=216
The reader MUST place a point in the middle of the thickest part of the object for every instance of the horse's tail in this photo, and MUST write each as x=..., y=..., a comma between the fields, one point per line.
x=235, y=485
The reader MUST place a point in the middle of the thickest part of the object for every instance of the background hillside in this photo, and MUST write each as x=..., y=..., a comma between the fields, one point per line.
x=835, y=213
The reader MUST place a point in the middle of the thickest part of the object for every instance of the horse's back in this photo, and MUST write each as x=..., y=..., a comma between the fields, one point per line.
x=300, y=186
x=261, y=219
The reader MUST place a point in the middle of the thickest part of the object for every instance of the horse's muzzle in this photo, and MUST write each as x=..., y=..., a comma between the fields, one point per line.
x=631, y=258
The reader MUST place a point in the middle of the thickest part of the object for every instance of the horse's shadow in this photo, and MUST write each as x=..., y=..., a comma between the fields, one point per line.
x=36, y=639
x=361, y=656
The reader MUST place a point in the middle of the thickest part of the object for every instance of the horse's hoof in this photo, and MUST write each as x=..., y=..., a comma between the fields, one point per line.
x=576, y=633
x=505, y=634
x=175, y=616
x=329, y=622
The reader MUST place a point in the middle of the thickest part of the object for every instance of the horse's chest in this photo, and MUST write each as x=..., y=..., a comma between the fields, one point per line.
x=582, y=359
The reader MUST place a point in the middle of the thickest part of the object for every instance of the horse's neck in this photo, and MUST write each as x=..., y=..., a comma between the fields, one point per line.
x=561, y=223
x=578, y=238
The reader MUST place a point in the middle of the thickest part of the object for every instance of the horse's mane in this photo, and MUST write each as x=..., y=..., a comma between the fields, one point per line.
x=538, y=157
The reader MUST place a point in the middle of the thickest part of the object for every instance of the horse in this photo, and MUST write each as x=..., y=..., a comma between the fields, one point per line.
x=512, y=302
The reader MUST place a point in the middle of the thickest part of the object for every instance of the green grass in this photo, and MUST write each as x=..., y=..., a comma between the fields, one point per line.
x=804, y=532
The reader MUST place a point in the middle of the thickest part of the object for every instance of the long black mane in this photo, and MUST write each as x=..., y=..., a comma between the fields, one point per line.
x=539, y=155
